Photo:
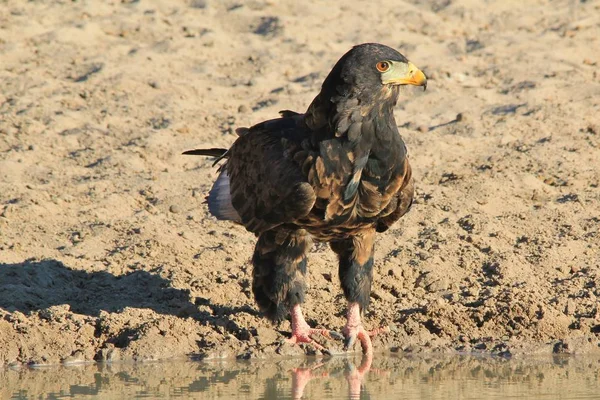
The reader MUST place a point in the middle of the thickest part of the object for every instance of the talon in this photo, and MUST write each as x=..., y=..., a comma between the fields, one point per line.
x=354, y=330
x=349, y=342
x=336, y=335
x=301, y=331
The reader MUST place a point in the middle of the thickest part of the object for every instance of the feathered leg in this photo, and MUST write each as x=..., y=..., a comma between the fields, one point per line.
x=356, y=274
x=278, y=280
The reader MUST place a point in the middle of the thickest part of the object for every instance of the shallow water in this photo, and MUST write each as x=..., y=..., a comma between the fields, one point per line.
x=458, y=377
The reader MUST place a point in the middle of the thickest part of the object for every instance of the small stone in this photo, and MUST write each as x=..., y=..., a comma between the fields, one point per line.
x=423, y=128
x=154, y=84
x=200, y=4
x=462, y=117
x=175, y=209
x=159, y=123
x=75, y=358
x=574, y=269
x=570, y=307
x=243, y=109
x=438, y=285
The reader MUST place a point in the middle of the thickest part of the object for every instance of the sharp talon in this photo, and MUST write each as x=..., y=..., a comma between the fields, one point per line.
x=335, y=335
x=349, y=342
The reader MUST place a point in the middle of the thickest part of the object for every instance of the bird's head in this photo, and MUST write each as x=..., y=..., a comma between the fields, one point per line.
x=366, y=77
x=369, y=69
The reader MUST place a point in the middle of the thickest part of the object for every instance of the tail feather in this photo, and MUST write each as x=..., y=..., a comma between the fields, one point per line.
x=214, y=152
x=219, y=200
x=219, y=197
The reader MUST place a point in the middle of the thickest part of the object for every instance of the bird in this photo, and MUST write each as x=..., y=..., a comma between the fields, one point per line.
x=337, y=173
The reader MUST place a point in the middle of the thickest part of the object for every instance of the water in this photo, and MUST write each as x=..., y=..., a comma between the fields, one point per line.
x=393, y=377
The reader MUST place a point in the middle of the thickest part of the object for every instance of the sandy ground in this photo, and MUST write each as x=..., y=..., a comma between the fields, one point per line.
x=107, y=251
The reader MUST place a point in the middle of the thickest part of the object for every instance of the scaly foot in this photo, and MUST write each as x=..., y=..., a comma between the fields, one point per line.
x=301, y=331
x=354, y=330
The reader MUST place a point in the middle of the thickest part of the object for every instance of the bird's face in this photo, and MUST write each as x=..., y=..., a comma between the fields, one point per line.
x=372, y=67
x=396, y=72
x=365, y=80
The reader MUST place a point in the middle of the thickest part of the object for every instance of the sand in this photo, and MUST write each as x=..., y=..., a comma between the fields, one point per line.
x=107, y=251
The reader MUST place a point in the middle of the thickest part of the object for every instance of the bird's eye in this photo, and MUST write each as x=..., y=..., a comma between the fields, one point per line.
x=382, y=66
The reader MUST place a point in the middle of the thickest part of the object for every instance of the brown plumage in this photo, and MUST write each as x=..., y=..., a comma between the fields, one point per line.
x=338, y=173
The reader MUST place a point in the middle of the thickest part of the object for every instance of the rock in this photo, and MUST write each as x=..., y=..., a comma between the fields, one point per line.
x=76, y=358
x=107, y=353
x=54, y=312
x=200, y=4
x=462, y=117
x=175, y=209
x=265, y=336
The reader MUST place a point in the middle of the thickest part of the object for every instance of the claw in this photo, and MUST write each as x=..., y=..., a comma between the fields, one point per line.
x=354, y=330
x=336, y=335
x=349, y=342
x=301, y=332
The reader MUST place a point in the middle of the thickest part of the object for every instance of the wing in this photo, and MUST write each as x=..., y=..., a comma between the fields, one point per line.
x=400, y=202
x=267, y=185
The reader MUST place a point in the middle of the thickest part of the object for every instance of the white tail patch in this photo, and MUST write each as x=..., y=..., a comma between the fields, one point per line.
x=219, y=199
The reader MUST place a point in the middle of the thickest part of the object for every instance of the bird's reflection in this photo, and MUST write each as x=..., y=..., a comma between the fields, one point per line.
x=337, y=376
x=354, y=375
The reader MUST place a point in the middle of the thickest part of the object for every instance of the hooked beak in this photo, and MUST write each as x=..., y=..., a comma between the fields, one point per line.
x=411, y=75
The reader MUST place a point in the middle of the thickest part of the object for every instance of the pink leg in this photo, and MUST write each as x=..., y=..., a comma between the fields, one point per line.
x=301, y=331
x=301, y=377
x=354, y=330
x=356, y=376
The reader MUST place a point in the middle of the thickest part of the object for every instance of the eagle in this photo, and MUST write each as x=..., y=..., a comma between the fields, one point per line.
x=338, y=173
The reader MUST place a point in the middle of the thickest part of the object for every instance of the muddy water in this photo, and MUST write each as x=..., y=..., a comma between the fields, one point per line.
x=387, y=377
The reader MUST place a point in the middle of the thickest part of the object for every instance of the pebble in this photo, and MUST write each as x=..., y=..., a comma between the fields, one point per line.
x=243, y=109
x=462, y=117
x=175, y=209
x=423, y=128
x=439, y=285
x=75, y=358
x=200, y=4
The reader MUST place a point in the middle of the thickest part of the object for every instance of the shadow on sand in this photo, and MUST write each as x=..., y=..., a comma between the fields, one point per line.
x=36, y=285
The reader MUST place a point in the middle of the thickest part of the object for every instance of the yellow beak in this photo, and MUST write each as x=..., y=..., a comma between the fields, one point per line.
x=411, y=76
